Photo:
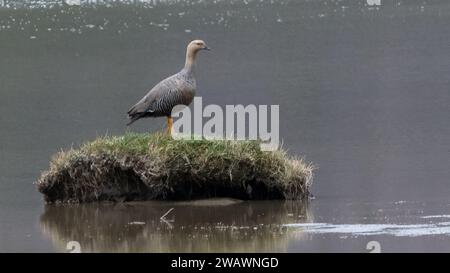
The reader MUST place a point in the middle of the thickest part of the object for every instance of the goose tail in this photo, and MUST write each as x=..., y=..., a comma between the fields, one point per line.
x=133, y=115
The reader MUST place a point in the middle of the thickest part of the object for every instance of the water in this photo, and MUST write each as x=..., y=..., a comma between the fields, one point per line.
x=258, y=226
x=363, y=93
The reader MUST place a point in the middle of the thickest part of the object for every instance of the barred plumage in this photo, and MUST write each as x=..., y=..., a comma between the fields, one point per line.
x=174, y=90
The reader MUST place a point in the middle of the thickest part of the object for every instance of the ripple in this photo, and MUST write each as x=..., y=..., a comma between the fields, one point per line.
x=403, y=230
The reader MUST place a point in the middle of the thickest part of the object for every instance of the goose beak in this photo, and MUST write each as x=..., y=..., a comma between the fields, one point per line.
x=207, y=48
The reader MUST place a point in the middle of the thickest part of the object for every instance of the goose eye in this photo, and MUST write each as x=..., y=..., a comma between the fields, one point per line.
x=199, y=43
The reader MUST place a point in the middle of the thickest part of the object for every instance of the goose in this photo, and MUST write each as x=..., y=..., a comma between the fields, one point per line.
x=178, y=89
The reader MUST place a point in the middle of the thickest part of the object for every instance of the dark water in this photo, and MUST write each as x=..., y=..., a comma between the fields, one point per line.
x=363, y=93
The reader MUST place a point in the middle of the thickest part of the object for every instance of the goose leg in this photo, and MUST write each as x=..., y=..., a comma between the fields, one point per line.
x=169, y=125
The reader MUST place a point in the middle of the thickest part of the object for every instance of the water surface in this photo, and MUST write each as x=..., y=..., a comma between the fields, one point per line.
x=363, y=93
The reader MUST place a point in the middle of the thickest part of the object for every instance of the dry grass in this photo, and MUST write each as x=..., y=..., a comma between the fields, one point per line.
x=154, y=166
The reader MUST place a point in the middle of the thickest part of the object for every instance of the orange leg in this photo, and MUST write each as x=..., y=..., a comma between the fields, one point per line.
x=169, y=125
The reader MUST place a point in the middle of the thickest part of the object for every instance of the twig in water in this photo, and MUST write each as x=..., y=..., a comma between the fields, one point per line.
x=164, y=220
x=165, y=214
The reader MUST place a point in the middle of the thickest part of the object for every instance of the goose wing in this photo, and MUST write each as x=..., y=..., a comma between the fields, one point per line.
x=160, y=100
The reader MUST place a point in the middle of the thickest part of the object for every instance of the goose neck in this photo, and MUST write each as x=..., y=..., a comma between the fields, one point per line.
x=190, y=60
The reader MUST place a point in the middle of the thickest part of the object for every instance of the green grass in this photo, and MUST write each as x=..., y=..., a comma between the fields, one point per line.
x=154, y=166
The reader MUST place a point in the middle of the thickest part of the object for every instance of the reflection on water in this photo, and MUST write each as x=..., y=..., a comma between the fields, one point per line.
x=220, y=225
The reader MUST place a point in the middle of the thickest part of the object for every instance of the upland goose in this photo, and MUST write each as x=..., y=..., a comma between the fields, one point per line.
x=174, y=90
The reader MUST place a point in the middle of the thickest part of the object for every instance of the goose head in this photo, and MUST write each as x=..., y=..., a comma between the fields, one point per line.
x=197, y=45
